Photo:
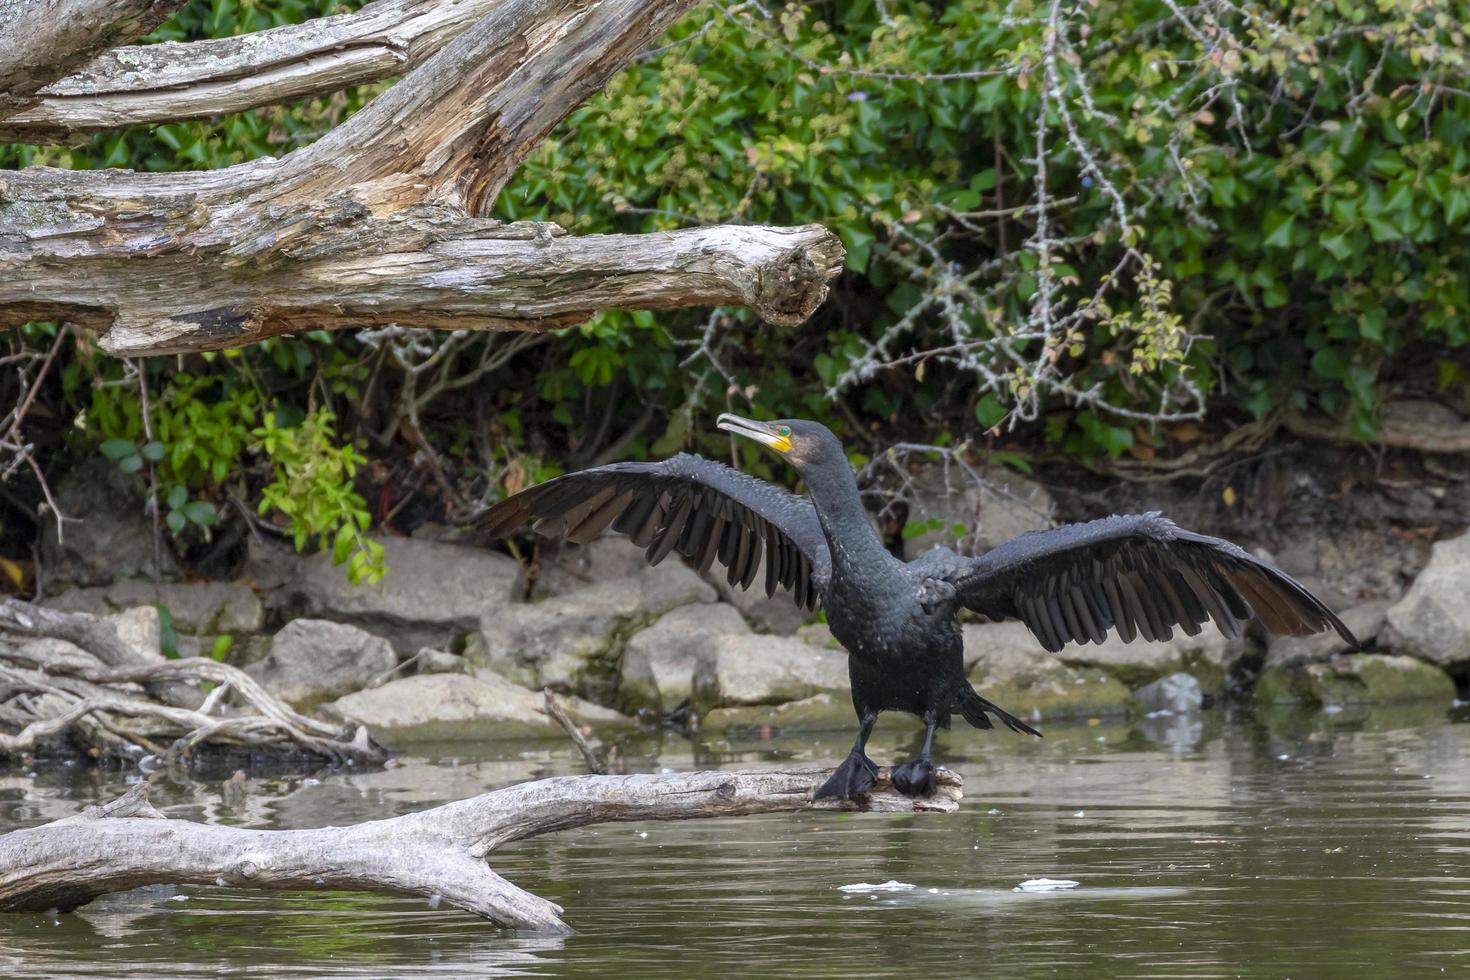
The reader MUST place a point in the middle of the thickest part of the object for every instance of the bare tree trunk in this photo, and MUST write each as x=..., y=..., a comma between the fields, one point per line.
x=382, y=220
x=440, y=852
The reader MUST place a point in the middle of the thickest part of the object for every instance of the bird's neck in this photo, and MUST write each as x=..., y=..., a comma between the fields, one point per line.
x=851, y=540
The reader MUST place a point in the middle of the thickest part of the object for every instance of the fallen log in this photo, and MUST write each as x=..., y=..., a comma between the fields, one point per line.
x=438, y=853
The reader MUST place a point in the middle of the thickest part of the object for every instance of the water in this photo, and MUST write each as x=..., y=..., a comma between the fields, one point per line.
x=1294, y=846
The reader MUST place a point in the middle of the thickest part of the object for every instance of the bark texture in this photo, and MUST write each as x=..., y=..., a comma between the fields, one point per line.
x=42, y=40
x=382, y=220
x=160, y=82
x=439, y=852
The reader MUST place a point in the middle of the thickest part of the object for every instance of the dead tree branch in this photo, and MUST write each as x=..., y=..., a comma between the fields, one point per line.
x=52, y=693
x=41, y=42
x=159, y=82
x=382, y=220
x=439, y=852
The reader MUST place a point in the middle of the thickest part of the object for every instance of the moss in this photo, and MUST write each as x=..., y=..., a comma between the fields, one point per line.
x=1059, y=691
x=821, y=712
x=1359, y=678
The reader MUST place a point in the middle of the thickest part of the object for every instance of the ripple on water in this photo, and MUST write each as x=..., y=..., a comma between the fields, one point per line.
x=1212, y=858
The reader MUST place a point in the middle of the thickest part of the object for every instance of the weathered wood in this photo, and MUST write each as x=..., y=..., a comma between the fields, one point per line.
x=439, y=852
x=153, y=83
x=42, y=40
x=96, y=683
x=380, y=220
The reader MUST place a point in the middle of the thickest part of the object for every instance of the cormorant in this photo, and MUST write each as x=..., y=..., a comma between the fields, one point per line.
x=1140, y=575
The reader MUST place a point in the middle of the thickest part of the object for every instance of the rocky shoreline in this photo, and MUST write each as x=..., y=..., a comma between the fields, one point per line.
x=455, y=644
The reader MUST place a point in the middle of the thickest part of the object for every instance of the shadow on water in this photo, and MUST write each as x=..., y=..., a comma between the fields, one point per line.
x=1279, y=843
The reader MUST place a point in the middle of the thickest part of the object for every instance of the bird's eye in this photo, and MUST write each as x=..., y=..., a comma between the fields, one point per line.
x=784, y=431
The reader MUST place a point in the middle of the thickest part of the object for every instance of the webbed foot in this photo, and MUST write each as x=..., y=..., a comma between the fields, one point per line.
x=852, y=779
x=914, y=778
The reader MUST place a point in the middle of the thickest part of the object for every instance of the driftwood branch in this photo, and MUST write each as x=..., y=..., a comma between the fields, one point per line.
x=153, y=83
x=434, y=853
x=42, y=40
x=381, y=221
x=98, y=696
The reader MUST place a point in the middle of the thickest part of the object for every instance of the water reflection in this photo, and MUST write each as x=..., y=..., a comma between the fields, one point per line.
x=1203, y=845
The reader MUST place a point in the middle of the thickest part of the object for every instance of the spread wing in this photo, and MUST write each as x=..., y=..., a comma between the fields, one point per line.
x=702, y=509
x=1141, y=575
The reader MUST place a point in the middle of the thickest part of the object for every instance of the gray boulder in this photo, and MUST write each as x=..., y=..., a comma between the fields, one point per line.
x=198, y=608
x=1365, y=620
x=1008, y=666
x=312, y=661
x=1177, y=693
x=777, y=614
x=1432, y=620
x=429, y=707
x=819, y=713
x=112, y=538
x=1006, y=505
x=1208, y=656
x=573, y=642
x=1357, y=678
x=657, y=671
x=735, y=670
x=434, y=593
x=573, y=568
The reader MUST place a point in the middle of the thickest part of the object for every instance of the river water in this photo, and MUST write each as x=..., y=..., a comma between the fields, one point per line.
x=1292, y=845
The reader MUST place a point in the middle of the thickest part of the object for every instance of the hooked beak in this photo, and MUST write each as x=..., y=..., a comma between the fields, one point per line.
x=759, y=431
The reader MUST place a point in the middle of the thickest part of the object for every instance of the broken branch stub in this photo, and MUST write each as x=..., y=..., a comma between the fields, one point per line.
x=438, y=852
x=381, y=221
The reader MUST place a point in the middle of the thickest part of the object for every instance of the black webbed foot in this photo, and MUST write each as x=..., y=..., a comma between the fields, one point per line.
x=852, y=779
x=914, y=778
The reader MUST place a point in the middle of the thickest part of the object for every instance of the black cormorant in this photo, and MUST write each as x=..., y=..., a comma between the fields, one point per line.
x=1140, y=575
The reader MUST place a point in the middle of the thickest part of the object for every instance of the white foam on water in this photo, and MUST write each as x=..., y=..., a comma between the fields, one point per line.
x=890, y=885
x=1045, y=885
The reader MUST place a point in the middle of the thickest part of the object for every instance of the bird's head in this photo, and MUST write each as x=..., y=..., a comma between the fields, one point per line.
x=803, y=443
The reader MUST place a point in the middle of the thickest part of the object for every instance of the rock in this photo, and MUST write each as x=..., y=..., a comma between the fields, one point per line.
x=426, y=707
x=433, y=594
x=1010, y=668
x=573, y=568
x=819, y=635
x=139, y=629
x=747, y=670
x=270, y=567
x=818, y=713
x=1177, y=693
x=777, y=615
x=1208, y=657
x=1432, y=620
x=312, y=661
x=574, y=642
x=657, y=671
x=1006, y=506
x=112, y=538
x=1357, y=678
x=198, y=608
x=439, y=662
x=1365, y=620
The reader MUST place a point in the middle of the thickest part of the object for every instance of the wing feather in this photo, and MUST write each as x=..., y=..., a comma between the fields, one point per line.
x=702, y=509
x=1139, y=575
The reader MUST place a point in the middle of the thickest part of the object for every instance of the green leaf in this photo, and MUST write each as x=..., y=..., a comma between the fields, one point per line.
x=989, y=411
x=177, y=496
x=118, y=448
x=220, y=648
x=152, y=451
x=343, y=543
x=176, y=521
x=201, y=512
x=130, y=464
x=1331, y=362
x=1278, y=227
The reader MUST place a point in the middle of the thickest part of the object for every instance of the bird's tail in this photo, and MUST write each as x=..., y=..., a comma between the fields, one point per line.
x=974, y=708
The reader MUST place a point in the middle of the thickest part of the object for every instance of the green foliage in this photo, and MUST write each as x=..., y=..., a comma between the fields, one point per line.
x=1265, y=204
x=313, y=491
